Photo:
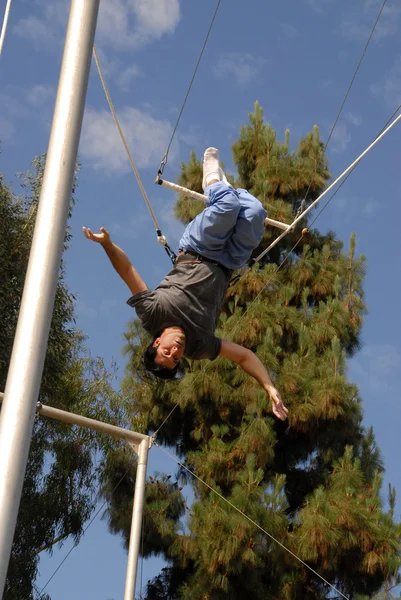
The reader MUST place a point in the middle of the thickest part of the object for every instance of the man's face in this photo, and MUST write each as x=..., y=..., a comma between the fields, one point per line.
x=170, y=347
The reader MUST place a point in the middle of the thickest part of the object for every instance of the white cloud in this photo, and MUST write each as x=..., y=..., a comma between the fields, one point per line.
x=146, y=137
x=340, y=138
x=319, y=5
x=126, y=76
x=10, y=111
x=40, y=95
x=9, y=103
x=289, y=32
x=35, y=30
x=354, y=30
x=122, y=24
x=84, y=310
x=370, y=207
x=105, y=308
x=157, y=17
x=44, y=30
x=133, y=227
x=353, y=118
x=243, y=67
x=358, y=24
x=7, y=129
x=389, y=89
x=377, y=367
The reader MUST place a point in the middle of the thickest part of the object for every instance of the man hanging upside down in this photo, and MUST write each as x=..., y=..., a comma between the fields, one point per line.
x=181, y=313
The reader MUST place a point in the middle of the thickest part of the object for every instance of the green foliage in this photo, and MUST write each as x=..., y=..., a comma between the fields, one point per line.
x=61, y=481
x=313, y=483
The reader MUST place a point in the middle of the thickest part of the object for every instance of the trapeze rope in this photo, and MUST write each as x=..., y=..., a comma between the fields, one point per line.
x=301, y=208
x=290, y=227
x=160, y=237
x=348, y=171
x=164, y=159
x=4, y=27
x=289, y=252
x=83, y=533
x=250, y=520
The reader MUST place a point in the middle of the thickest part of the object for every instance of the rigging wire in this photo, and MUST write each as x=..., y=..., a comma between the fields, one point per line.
x=194, y=474
x=351, y=171
x=160, y=236
x=301, y=208
x=289, y=252
x=250, y=520
x=162, y=165
x=83, y=533
x=165, y=157
x=142, y=559
x=309, y=208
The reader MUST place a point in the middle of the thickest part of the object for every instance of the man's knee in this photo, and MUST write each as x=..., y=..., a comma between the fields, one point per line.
x=255, y=212
x=224, y=196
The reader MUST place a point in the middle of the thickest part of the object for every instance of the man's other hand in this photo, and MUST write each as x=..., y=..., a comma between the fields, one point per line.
x=278, y=407
x=101, y=238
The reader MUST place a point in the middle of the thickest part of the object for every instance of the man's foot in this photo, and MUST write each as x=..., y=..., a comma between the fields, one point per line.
x=211, y=168
x=212, y=172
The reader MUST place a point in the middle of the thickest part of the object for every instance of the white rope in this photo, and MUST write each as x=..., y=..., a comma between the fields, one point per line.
x=4, y=27
x=250, y=520
x=117, y=123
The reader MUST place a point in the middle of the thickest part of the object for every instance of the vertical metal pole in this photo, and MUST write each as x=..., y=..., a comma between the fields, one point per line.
x=26, y=367
x=4, y=27
x=136, y=524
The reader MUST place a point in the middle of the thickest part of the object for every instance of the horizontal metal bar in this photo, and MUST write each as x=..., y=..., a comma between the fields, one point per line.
x=277, y=224
x=100, y=426
x=182, y=190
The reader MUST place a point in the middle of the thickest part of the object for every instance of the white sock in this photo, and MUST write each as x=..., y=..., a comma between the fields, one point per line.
x=223, y=177
x=211, y=168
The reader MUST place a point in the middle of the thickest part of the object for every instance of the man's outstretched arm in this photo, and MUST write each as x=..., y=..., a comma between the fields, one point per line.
x=118, y=259
x=250, y=363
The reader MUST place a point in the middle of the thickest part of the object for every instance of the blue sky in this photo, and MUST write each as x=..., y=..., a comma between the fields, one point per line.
x=296, y=57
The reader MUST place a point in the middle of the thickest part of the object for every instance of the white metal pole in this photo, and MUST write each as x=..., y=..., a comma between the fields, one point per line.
x=26, y=366
x=4, y=27
x=100, y=426
x=136, y=524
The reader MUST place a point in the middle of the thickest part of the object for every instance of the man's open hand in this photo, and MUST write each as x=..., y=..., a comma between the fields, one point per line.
x=101, y=238
x=278, y=407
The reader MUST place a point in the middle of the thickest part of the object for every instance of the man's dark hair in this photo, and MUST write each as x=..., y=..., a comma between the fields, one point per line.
x=157, y=370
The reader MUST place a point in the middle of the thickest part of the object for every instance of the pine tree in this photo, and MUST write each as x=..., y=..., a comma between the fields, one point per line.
x=313, y=483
